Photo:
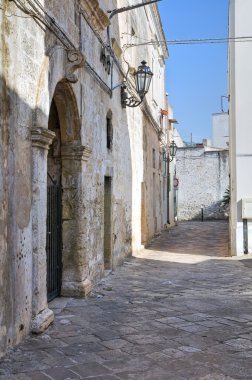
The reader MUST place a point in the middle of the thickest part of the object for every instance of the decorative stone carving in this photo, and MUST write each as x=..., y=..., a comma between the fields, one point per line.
x=41, y=137
x=75, y=60
x=75, y=152
x=96, y=15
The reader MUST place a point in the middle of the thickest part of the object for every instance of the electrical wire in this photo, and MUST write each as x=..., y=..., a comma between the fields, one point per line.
x=45, y=19
x=14, y=14
x=196, y=41
x=49, y=22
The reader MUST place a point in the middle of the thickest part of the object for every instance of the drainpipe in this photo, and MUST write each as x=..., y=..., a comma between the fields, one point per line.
x=245, y=236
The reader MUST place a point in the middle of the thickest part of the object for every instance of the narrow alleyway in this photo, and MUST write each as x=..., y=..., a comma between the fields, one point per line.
x=181, y=309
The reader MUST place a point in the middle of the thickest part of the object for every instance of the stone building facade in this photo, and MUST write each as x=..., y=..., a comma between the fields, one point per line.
x=203, y=175
x=77, y=171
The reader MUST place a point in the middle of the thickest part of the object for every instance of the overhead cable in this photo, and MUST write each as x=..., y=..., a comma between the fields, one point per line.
x=196, y=41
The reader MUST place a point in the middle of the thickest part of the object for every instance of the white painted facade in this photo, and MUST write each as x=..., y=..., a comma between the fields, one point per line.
x=240, y=120
x=220, y=130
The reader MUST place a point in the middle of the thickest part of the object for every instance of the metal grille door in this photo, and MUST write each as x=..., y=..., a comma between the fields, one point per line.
x=54, y=241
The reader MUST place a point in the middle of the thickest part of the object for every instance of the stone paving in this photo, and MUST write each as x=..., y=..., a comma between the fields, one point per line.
x=180, y=309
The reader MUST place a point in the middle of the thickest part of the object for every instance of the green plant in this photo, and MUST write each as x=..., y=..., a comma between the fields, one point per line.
x=226, y=198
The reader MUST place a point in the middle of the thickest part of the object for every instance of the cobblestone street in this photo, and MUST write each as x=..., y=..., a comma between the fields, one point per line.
x=181, y=309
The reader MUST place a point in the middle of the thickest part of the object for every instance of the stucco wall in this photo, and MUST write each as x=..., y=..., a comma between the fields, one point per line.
x=203, y=179
x=240, y=120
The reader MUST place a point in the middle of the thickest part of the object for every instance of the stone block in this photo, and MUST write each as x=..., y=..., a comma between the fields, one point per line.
x=42, y=321
x=76, y=289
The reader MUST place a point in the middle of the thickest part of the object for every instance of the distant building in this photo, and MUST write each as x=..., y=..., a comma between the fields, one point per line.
x=177, y=138
x=207, y=142
x=220, y=131
x=170, y=192
x=202, y=174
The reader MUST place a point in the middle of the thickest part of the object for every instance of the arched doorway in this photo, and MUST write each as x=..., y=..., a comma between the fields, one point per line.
x=54, y=208
x=66, y=161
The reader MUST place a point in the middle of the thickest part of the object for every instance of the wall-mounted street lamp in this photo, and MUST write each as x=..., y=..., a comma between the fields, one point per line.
x=172, y=149
x=143, y=77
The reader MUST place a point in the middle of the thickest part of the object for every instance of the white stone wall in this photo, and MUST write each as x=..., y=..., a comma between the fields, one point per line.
x=148, y=209
x=203, y=179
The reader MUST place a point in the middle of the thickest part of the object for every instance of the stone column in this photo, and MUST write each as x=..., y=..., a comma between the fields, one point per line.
x=75, y=276
x=41, y=140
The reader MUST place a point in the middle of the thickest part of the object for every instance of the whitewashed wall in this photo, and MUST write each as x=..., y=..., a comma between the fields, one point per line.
x=240, y=120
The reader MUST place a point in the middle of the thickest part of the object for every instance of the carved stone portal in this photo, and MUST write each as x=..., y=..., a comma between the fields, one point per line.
x=41, y=139
x=71, y=156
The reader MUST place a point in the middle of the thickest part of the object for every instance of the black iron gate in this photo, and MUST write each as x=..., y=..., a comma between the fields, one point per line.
x=54, y=241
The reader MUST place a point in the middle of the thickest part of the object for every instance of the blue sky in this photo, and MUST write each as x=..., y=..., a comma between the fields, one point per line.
x=196, y=75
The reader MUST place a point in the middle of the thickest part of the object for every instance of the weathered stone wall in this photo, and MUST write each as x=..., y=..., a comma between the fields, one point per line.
x=63, y=65
x=22, y=44
x=5, y=291
x=203, y=178
x=152, y=185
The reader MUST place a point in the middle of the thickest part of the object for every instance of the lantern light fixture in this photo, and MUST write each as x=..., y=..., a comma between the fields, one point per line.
x=172, y=149
x=143, y=77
